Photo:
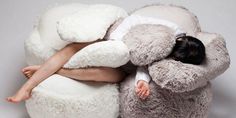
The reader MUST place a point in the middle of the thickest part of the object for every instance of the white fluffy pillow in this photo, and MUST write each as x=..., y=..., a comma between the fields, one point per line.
x=47, y=24
x=89, y=24
x=105, y=53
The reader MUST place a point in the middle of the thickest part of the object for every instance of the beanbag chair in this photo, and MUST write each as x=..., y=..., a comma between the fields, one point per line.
x=62, y=97
x=178, y=90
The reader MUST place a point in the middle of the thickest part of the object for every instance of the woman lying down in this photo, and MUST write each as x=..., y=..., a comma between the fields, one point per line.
x=187, y=50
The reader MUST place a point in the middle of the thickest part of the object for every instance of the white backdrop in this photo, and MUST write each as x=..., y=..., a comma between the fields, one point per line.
x=18, y=16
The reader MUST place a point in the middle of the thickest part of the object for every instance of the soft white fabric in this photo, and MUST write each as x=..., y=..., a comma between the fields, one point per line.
x=134, y=20
x=142, y=74
x=177, y=15
x=47, y=22
x=36, y=52
x=105, y=53
x=61, y=97
x=89, y=24
x=44, y=41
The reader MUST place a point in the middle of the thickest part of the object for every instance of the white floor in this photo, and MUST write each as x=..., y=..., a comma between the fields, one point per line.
x=18, y=16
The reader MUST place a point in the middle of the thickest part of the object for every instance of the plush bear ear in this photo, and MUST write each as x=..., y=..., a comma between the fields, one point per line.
x=149, y=42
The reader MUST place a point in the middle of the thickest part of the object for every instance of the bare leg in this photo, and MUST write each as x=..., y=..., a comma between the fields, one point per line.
x=99, y=74
x=52, y=65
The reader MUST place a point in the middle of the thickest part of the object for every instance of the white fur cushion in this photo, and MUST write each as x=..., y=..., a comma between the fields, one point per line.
x=36, y=52
x=44, y=42
x=104, y=53
x=61, y=97
x=89, y=24
x=47, y=24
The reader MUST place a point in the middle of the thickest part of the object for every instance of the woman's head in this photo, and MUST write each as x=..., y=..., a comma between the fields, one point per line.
x=188, y=50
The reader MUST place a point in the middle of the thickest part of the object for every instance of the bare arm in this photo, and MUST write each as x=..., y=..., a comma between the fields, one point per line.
x=101, y=74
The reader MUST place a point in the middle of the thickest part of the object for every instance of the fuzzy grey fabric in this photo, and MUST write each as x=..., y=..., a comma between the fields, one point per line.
x=163, y=103
x=178, y=90
x=148, y=43
x=180, y=77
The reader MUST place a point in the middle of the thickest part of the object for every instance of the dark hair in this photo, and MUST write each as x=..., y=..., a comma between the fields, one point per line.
x=188, y=50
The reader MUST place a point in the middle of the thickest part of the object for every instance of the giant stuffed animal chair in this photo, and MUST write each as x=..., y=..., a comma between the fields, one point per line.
x=178, y=90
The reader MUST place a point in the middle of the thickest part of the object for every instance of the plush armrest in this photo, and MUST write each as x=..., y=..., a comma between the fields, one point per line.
x=180, y=77
x=148, y=43
x=89, y=24
x=105, y=53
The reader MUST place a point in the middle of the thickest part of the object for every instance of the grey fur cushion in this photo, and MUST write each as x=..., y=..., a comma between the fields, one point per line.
x=180, y=77
x=163, y=103
x=178, y=90
x=148, y=43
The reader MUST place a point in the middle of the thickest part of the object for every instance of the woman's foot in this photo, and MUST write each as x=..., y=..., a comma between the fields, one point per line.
x=142, y=89
x=21, y=95
x=30, y=70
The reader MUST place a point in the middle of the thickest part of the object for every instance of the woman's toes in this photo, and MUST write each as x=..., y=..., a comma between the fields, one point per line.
x=20, y=96
x=12, y=99
x=28, y=68
x=29, y=75
x=26, y=72
x=25, y=69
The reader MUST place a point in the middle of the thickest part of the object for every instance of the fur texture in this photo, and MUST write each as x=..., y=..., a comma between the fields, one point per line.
x=163, y=103
x=178, y=90
x=180, y=77
x=60, y=97
x=44, y=40
x=47, y=23
x=35, y=50
x=148, y=43
x=89, y=24
x=105, y=53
